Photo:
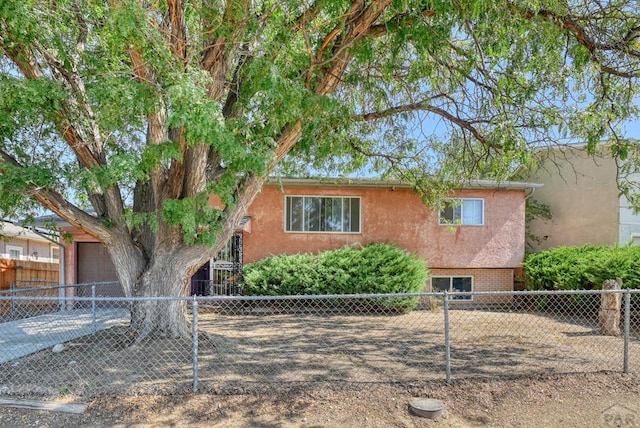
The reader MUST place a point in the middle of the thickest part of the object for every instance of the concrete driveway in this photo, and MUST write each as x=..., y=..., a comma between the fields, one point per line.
x=29, y=335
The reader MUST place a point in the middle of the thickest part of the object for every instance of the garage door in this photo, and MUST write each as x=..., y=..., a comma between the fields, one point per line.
x=94, y=265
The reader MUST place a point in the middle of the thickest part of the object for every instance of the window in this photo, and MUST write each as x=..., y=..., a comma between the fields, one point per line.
x=322, y=214
x=14, y=252
x=452, y=284
x=462, y=211
x=55, y=253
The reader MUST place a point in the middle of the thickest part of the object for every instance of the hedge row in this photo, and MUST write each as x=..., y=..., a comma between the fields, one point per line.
x=576, y=268
x=374, y=269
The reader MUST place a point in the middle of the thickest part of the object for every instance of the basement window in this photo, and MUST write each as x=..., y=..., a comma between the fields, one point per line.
x=452, y=284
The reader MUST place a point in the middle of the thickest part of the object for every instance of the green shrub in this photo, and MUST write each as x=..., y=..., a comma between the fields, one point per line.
x=587, y=267
x=374, y=269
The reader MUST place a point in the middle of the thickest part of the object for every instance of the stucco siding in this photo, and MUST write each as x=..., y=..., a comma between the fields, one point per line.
x=397, y=215
x=582, y=193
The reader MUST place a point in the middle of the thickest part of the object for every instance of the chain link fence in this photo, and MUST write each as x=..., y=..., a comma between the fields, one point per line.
x=242, y=343
x=23, y=298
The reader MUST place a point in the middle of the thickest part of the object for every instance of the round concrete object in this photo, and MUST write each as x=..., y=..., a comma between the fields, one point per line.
x=427, y=408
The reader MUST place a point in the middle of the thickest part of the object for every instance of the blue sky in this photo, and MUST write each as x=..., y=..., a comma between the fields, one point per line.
x=632, y=129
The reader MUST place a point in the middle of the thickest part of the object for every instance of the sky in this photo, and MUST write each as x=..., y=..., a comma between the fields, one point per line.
x=632, y=129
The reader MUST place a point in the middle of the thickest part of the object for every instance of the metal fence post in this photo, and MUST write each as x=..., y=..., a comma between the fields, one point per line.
x=627, y=322
x=12, y=303
x=61, y=303
x=194, y=325
x=447, y=339
x=93, y=307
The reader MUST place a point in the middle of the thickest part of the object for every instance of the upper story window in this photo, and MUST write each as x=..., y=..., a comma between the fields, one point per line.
x=322, y=214
x=464, y=211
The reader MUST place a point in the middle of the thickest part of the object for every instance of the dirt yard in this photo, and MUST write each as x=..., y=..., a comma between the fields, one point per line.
x=305, y=370
x=579, y=400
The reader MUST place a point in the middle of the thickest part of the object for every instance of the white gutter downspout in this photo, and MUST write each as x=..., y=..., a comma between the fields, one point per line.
x=61, y=268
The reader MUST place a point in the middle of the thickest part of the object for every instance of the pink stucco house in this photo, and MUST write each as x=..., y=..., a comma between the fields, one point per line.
x=473, y=243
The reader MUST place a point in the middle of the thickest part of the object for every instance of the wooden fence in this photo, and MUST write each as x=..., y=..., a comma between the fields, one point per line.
x=22, y=273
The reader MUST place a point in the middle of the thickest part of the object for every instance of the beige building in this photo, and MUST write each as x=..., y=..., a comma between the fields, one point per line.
x=27, y=258
x=19, y=243
x=582, y=193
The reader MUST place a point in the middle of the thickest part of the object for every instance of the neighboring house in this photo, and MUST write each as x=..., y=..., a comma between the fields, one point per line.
x=581, y=191
x=19, y=243
x=26, y=255
x=473, y=244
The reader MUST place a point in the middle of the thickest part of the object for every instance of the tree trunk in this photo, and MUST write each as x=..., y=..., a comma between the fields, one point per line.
x=159, y=313
x=159, y=318
x=162, y=315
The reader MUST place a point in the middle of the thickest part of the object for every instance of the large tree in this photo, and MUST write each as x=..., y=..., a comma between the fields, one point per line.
x=140, y=110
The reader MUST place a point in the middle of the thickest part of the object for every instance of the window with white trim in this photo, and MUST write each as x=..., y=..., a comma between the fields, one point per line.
x=15, y=252
x=463, y=211
x=55, y=253
x=452, y=284
x=322, y=214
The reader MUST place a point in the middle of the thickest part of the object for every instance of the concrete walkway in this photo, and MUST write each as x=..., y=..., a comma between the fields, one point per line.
x=29, y=335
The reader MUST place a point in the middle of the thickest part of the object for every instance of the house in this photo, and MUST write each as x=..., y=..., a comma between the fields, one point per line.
x=473, y=244
x=581, y=191
x=27, y=255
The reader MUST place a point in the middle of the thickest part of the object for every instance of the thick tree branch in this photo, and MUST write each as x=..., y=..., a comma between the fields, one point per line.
x=174, y=28
x=399, y=21
x=24, y=59
x=425, y=106
x=358, y=22
x=288, y=138
x=89, y=147
x=75, y=136
x=58, y=204
x=356, y=8
x=216, y=58
x=73, y=215
x=28, y=65
x=149, y=194
x=571, y=24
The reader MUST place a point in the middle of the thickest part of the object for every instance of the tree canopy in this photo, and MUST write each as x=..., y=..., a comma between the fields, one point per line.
x=140, y=111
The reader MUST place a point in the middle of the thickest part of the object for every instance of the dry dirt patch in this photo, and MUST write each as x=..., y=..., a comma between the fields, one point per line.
x=580, y=400
x=509, y=369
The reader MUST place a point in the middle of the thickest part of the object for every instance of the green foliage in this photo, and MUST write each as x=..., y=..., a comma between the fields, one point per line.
x=535, y=210
x=140, y=110
x=507, y=73
x=575, y=268
x=374, y=269
x=198, y=220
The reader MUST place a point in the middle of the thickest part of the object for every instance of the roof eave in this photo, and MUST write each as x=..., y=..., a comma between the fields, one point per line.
x=376, y=183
